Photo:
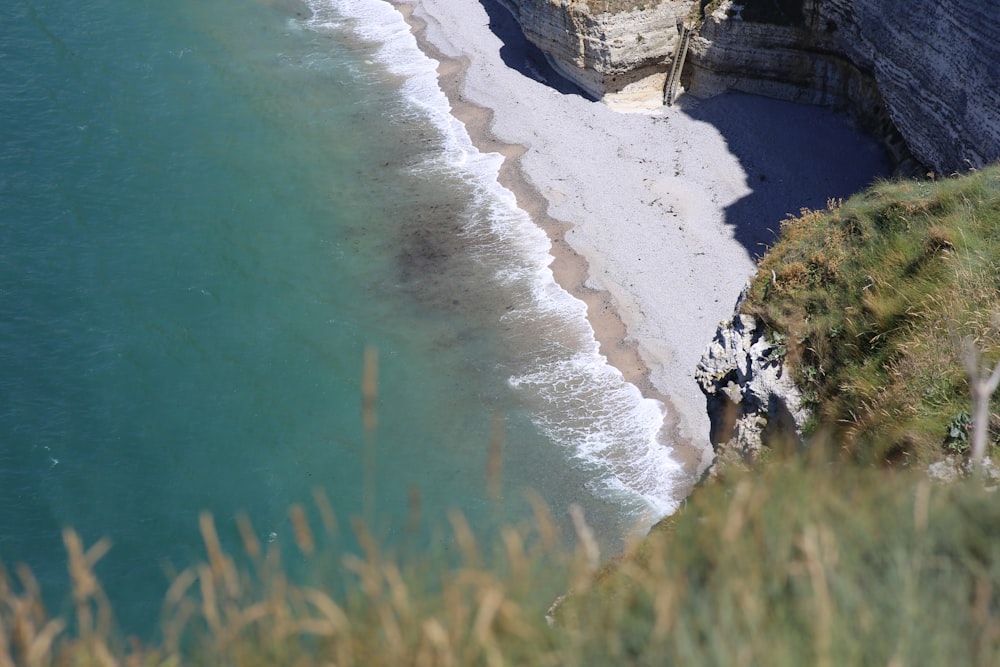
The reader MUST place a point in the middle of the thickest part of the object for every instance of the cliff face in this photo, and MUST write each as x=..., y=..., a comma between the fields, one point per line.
x=924, y=75
x=801, y=60
x=752, y=400
x=613, y=49
x=937, y=65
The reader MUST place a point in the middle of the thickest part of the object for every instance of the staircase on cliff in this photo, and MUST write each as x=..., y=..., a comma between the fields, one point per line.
x=677, y=66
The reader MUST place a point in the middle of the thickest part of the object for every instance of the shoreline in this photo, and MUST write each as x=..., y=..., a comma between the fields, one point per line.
x=654, y=217
x=570, y=268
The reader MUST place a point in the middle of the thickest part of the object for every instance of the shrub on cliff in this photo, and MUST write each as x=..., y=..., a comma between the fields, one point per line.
x=873, y=296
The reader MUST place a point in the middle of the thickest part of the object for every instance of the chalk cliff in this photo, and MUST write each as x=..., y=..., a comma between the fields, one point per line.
x=924, y=75
x=752, y=400
x=613, y=49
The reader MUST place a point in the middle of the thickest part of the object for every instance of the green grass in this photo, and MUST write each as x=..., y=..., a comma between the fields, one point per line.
x=873, y=295
x=796, y=564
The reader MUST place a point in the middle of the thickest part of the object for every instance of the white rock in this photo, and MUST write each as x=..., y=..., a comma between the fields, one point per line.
x=750, y=396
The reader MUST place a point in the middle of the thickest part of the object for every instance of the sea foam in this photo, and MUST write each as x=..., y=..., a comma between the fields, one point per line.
x=583, y=404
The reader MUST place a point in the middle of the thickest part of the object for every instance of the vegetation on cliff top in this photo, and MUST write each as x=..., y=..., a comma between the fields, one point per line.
x=872, y=298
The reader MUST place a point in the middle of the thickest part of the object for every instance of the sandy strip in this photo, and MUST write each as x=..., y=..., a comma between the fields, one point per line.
x=643, y=209
x=633, y=236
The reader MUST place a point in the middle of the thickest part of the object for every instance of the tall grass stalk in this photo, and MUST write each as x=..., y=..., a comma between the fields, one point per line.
x=369, y=419
x=982, y=385
x=793, y=564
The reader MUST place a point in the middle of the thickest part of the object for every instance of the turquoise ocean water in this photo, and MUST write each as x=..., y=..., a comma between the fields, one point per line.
x=208, y=209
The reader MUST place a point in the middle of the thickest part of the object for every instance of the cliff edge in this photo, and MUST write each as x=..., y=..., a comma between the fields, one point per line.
x=923, y=75
x=859, y=325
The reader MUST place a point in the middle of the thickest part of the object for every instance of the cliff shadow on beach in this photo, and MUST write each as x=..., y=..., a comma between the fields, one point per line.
x=521, y=55
x=794, y=155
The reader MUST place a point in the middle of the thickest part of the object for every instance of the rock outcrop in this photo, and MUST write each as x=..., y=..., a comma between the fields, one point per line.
x=613, y=49
x=752, y=400
x=924, y=75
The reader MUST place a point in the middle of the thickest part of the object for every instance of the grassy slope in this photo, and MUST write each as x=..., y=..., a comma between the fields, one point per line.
x=802, y=564
x=873, y=295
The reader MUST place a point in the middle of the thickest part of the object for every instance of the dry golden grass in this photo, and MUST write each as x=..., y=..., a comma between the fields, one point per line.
x=874, y=294
x=794, y=565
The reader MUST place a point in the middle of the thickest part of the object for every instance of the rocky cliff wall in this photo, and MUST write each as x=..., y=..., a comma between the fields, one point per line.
x=613, y=49
x=924, y=75
x=751, y=398
x=937, y=65
x=802, y=63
